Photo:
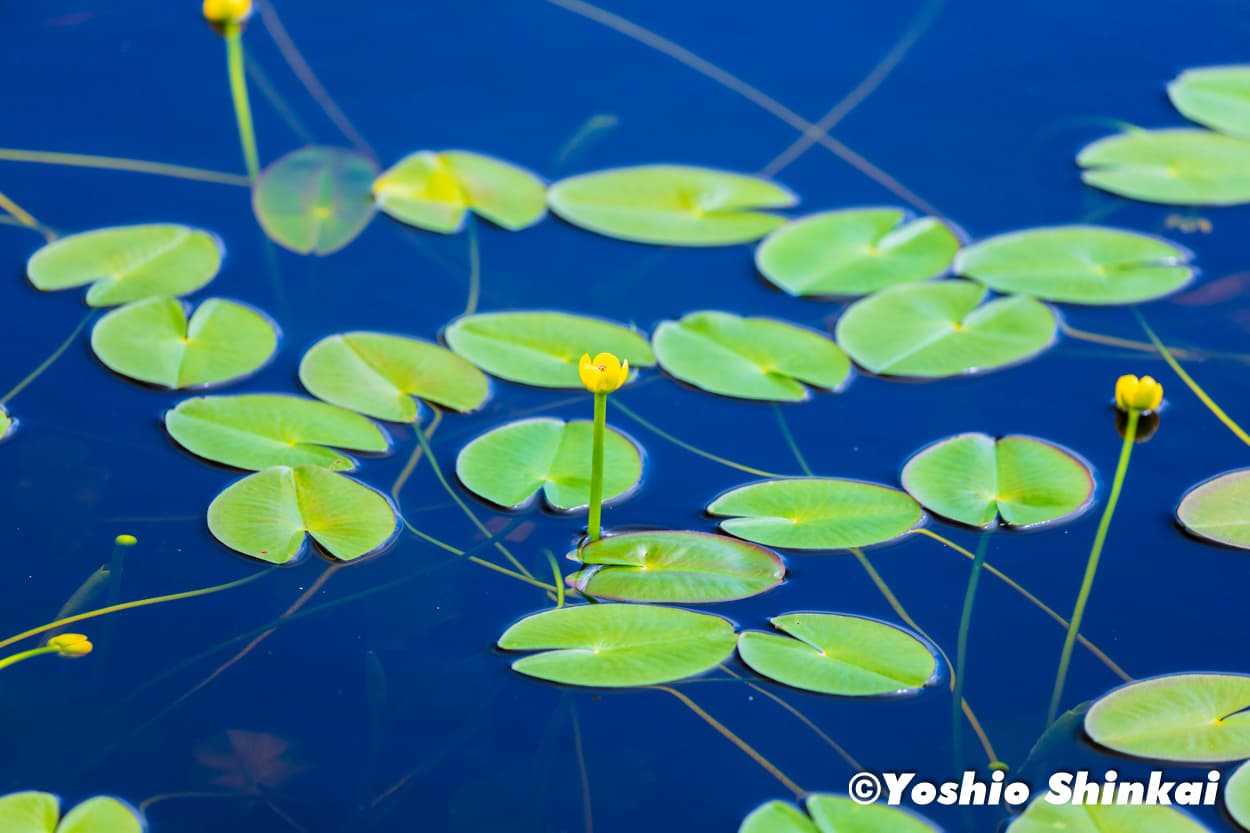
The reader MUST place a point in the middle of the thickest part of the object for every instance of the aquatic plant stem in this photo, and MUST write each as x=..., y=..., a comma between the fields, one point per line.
x=556, y=576
x=25, y=655
x=596, y=466
x=789, y=438
x=233, y=33
x=24, y=218
x=113, y=163
x=475, y=268
x=693, y=449
x=961, y=648
x=1091, y=566
x=556, y=588
x=588, y=819
x=50, y=360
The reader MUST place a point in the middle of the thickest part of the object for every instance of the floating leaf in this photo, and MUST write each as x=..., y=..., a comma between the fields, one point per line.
x=837, y=654
x=833, y=814
x=675, y=567
x=1190, y=718
x=1219, y=509
x=671, y=205
x=1218, y=97
x=1077, y=264
x=1237, y=795
x=256, y=431
x=1174, y=166
x=542, y=348
x=940, y=329
x=315, y=199
x=510, y=464
x=618, y=645
x=38, y=812
x=378, y=375
x=1043, y=817
x=6, y=423
x=265, y=515
x=752, y=358
x=816, y=513
x=128, y=263
x=153, y=341
x=972, y=478
x=435, y=191
x=855, y=252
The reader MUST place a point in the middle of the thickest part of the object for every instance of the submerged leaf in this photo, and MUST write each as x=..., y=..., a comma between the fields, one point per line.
x=315, y=200
x=833, y=814
x=1219, y=509
x=1175, y=166
x=1217, y=97
x=1043, y=817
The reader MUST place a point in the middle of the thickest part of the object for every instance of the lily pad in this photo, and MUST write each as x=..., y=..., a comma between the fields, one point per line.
x=1219, y=509
x=266, y=515
x=153, y=341
x=1078, y=264
x=833, y=814
x=618, y=645
x=931, y=330
x=542, y=348
x=1176, y=166
x=1237, y=795
x=6, y=423
x=671, y=205
x=816, y=513
x=855, y=252
x=39, y=812
x=436, y=191
x=508, y=465
x=256, y=431
x=675, y=567
x=128, y=263
x=379, y=374
x=832, y=653
x=1217, y=97
x=1043, y=817
x=751, y=358
x=1189, y=718
x=973, y=478
x=315, y=200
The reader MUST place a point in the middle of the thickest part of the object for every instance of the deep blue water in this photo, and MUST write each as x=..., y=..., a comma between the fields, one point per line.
x=396, y=708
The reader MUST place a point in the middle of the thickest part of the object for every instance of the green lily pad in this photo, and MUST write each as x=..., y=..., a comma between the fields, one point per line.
x=833, y=653
x=671, y=205
x=508, y=465
x=751, y=358
x=1237, y=795
x=315, y=200
x=6, y=423
x=973, y=478
x=1043, y=817
x=833, y=814
x=436, y=191
x=379, y=374
x=38, y=812
x=1176, y=166
x=256, y=431
x=816, y=513
x=1217, y=97
x=1190, y=718
x=855, y=252
x=618, y=645
x=266, y=515
x=675, y=567
x=1077, y=264
x=542, y=348
x=128, y=263
x=1219, y=509
x=153, y=341
x=931, y=330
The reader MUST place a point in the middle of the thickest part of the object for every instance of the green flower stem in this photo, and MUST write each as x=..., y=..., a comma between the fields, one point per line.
x=33, y=652
x=1091, y=567
x=238, y=92
x=596, y=465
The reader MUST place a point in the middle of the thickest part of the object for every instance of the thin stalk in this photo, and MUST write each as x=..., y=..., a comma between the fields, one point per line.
x=238, y=93
x=1091, y=566
x=556, y=576
x=114, y=163
x=557, y=588
x=596, y=466
x=50, y=360
x=475, y=269
x=961, y=648
x=693, y=449
x=24, y=217
x=789, y=438
x=588, y=820
x=24, y=655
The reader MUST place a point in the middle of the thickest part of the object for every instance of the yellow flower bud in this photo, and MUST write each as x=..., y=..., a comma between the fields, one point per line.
x=604, y=374
x=125, y=540
x=1142, y=395
x=227, y=11
x=72, y=645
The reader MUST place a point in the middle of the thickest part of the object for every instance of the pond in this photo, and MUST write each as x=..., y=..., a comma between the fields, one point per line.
x=299, y=436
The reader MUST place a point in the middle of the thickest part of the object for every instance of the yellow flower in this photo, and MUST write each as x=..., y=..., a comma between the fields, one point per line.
x=1133, y=394
x=227, y=11
x=72, y=645
x=604, y=374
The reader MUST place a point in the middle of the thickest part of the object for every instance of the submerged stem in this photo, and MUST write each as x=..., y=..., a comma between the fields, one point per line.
x=596, y=466
x=961, y=647
x=50, y=360
x=114, y=163
x=693, y=449
x=238, y=93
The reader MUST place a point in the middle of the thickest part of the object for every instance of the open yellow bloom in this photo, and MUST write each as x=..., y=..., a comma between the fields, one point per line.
x=1133, y=394
x=72, y=645
x=604, y=374
x=227, y=11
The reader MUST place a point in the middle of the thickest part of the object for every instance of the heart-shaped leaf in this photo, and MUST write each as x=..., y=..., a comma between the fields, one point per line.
x=833, y=814
x=1218, y=97
x=1219, y=509
x=315, y=200
x=1041, y=816
x=1175, y=167
x=39, y=812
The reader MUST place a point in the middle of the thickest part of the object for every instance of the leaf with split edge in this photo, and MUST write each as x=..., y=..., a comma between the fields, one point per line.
x=618, y=645
x=855, y=252
x=816, y=513
x=128, y=263
x=1078, y=264
x=101, y=815
x=1217, y=97
x=436, y=190
x=1218, y=509
x=674, y=566
x=1174, y=166
x=257, y=431
x=833, y=814
x=379, y=374
x=542, y=348
x=934, y=330
x=1041, y=816
x=153, y=341
x=676, y=205
x=266, y=515
x=508, y=465
x=750, y=358
x=38, y=812
x=29, y=812
x=315, y=200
